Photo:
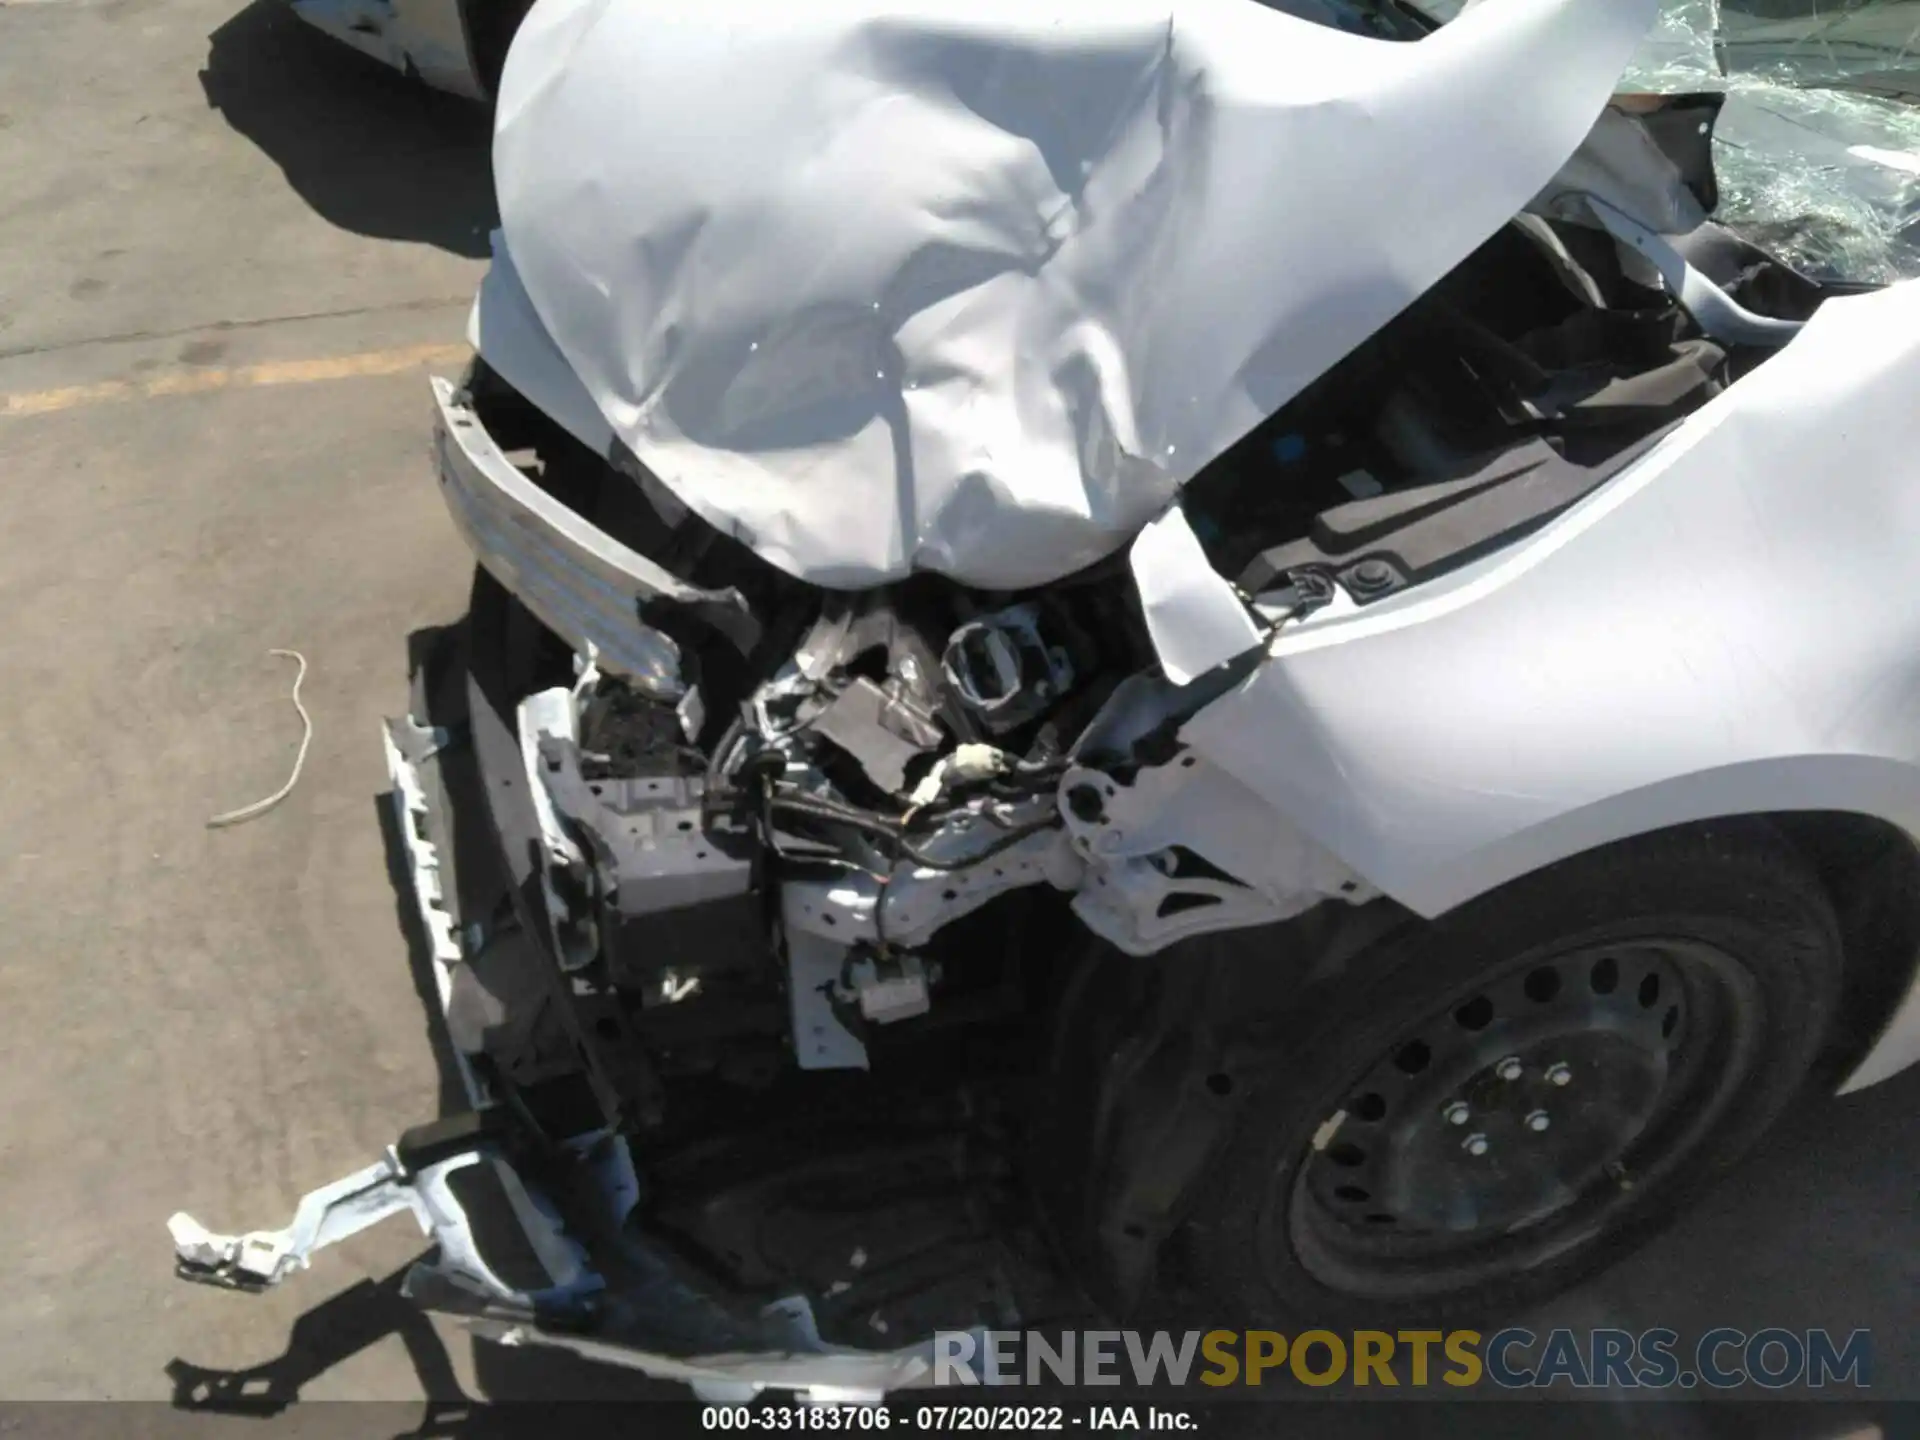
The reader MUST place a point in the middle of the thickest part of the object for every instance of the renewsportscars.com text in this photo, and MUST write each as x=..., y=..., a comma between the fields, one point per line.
x=1723, y=1358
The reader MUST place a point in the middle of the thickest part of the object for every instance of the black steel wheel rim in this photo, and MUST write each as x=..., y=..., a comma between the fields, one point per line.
x=1520, y=1118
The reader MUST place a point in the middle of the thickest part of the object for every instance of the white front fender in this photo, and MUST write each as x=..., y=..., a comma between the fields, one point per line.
x=1729, y=626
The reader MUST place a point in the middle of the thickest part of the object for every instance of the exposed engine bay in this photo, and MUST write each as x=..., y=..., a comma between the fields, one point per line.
x=898, y=757
x=804, y=869
x=847, y=961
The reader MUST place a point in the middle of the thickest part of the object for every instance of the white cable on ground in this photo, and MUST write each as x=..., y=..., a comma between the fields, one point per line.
x=260, y=807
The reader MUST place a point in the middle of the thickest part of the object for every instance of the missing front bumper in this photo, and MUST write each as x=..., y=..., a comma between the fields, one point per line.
x=535, y=1245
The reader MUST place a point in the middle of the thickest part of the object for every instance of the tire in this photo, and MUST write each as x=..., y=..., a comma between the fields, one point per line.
x=1753, y=963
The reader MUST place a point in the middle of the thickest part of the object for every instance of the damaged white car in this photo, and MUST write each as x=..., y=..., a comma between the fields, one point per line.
x=1130, y=650
x=458, y=46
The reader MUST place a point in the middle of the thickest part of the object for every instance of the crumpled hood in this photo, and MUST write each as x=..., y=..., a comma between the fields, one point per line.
x=974, y=289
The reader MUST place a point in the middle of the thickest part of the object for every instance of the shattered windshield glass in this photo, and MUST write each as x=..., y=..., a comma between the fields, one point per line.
x=1817, y=150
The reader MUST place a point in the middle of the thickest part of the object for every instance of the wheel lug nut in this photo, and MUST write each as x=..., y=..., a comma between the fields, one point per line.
x=1560, y=1074
x=1457, y=1113
x=1509, y=1068
x=1538, y=1120
x=1474, y=1144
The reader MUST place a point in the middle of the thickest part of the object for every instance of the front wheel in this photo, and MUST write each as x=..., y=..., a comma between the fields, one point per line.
x=1494, y=1105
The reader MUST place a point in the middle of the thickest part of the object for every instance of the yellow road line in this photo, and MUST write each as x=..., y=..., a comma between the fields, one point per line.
x=200, y=380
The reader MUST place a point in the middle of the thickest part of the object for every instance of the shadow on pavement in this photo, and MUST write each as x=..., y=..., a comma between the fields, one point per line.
x=520, y=1385
x=370, y=150
x=323, y=1337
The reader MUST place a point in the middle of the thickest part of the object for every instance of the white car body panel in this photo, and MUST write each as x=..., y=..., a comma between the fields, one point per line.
x=1726, y=627
x=977, y=290
x=421, y=37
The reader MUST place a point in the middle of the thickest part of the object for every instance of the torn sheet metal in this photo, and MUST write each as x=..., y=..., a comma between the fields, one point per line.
x=1195, y=619
x=976, y=290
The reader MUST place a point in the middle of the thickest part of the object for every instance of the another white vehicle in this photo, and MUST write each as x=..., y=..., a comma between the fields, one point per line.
x=1132, y=641
x=453, y=45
